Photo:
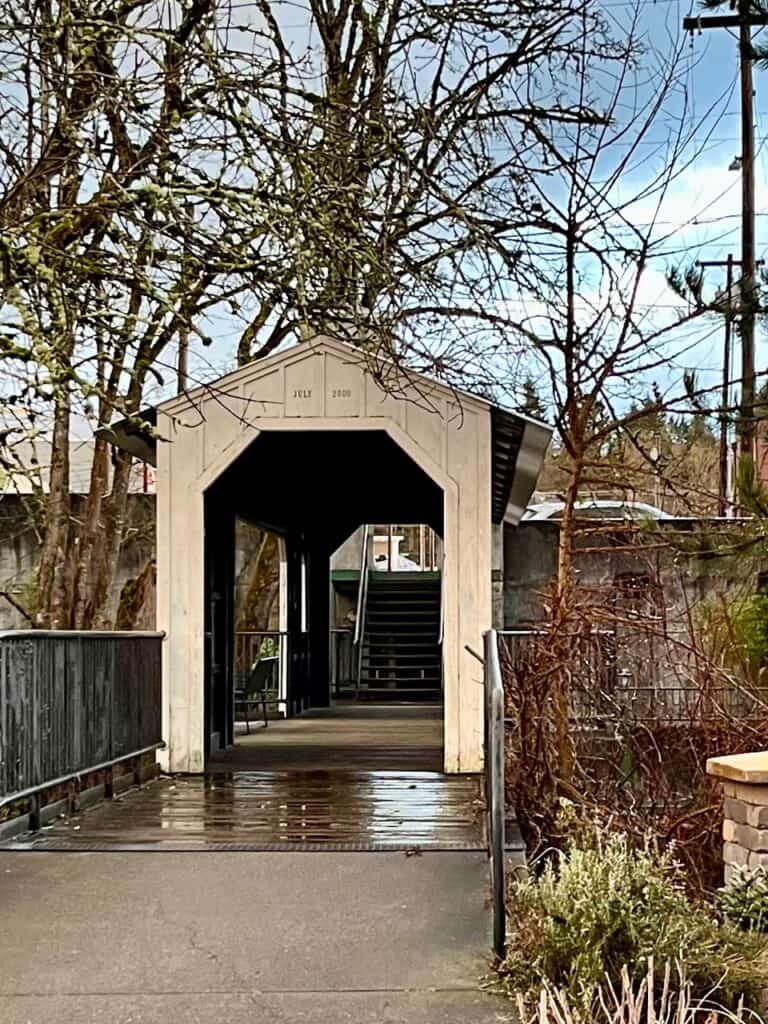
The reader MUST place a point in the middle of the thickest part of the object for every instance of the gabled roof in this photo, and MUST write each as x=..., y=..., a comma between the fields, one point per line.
x=391, y=374
x=518, y=443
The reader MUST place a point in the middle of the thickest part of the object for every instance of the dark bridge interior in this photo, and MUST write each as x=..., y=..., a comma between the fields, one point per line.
x=314, y=489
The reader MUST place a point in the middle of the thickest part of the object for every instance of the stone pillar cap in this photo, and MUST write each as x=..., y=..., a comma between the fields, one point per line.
x=741, y=767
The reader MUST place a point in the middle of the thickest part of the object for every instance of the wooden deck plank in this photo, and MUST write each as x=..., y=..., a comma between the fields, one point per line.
x=363, y=780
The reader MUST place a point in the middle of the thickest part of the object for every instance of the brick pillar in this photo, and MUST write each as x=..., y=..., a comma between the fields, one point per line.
x=744, y=778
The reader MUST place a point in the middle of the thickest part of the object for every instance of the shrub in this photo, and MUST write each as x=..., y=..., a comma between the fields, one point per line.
x=645, y=1002
x=744, y=900
x=601, y=906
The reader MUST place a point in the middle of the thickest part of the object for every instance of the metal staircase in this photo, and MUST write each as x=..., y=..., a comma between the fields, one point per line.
x=401, y=648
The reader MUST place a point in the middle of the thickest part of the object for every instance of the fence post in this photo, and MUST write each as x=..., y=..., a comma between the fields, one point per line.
x=494, y=774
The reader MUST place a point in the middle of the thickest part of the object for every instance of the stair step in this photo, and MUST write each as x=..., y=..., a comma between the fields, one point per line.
x=379, y=644
x=402, y=669
x=379, y=602
x=432, y=678
x=403, y=656
x=384, y=650
x=404, y=681
x=423, y=627
x=400, y=612
x=404, y=629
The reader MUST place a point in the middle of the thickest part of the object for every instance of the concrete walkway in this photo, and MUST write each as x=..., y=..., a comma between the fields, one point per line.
x=230, y=938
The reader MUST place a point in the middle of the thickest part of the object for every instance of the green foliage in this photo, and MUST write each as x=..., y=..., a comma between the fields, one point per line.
x=603, y=905
x=744, y=900
x=531, y=402
x=734, y=632
x=750, y=624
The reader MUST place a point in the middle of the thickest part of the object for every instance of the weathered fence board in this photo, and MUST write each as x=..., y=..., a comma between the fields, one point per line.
x=71, y=700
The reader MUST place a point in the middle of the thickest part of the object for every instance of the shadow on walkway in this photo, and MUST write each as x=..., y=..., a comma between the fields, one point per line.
x=352, y=738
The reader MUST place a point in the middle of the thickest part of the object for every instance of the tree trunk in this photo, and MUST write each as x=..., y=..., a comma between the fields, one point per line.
x=113, y=525
x=53, y=600
x=565, y=633
x=136, y=598
x=91, y=538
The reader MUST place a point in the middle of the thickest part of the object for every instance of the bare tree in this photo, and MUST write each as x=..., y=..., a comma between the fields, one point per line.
x=611, y=361
x=171, y=169
x=129, y=213
x=405, y=135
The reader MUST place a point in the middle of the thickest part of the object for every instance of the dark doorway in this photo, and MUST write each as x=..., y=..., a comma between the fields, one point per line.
x=311, y=490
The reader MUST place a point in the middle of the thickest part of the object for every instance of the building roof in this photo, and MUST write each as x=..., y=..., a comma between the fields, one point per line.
x=518, y=442
x=32, y=471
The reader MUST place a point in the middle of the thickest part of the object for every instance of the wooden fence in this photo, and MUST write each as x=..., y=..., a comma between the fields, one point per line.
x=72, y=701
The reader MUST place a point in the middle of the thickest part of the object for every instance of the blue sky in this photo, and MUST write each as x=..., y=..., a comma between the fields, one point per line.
x=701, y=212
x=709, y=190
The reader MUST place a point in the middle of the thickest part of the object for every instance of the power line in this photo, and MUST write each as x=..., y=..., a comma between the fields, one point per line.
x=745, y=19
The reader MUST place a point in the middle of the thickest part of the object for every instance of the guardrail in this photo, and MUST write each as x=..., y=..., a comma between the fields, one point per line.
x=343, y=662
x=74, y=703
x=619, y=679
x=362, y=601
x=494, y=787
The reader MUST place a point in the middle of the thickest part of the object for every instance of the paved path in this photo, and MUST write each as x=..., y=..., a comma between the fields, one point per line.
x=230, y=938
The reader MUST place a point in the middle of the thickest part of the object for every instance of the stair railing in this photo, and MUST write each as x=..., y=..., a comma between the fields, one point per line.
x=362, y=602
x=441, y=570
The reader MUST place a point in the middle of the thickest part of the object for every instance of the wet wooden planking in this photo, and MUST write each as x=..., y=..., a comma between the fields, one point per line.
x=367, y=810
x=359, y=777
x=391, y=738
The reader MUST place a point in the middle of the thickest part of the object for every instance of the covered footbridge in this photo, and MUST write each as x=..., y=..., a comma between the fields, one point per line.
x=311, y=444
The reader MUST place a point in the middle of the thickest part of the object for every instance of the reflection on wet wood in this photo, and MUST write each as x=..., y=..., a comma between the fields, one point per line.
x=362, y=810
x=359, y=778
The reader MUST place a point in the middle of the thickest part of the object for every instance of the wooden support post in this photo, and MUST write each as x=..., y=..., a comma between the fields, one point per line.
x=34, y=813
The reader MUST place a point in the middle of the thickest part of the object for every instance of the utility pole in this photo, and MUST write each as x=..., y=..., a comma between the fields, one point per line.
x=722, y=489
x=745, y=19
x=725, y=402
x=746, y=426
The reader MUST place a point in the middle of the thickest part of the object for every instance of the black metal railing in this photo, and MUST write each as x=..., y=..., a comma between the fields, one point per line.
x=343, y=662
x=494, y=787
x=362, y=601
x=73, y=703
x=615, y=679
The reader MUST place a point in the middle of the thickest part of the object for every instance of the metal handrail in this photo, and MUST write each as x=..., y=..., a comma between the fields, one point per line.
x=494, y=786
x=362, y=601
x=32, y=793
x=61, y=780
x=441, y=628
x=94, y=634
x=362, y=587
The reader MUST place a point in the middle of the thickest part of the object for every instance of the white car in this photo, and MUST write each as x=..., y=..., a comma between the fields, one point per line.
x=597, y=508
